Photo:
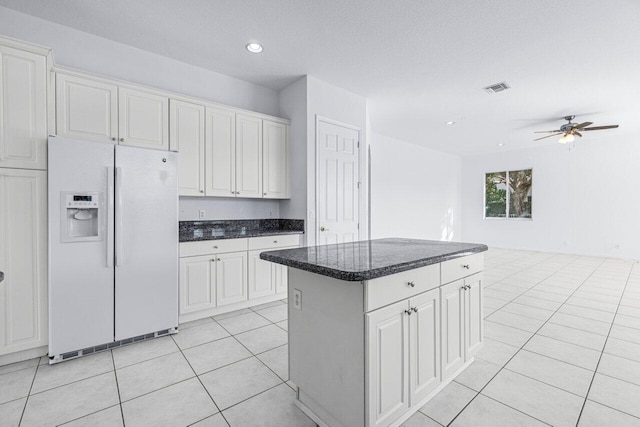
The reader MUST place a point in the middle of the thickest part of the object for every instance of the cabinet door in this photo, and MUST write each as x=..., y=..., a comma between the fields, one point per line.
x=220, y=152
x=86, y=109
x=281, y=277
x=23, y=109
x=452, y=317
x=275, y=172
x=197, y=290
x=473, y=316
x=424, y=345
x=248, y=156
x=186, y=136
x=387, y=365
x=261, y=276
x=231, y=278
x=23, y=259
x=143, y=119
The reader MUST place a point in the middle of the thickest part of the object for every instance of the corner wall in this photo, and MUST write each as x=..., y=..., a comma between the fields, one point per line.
x=584, y=201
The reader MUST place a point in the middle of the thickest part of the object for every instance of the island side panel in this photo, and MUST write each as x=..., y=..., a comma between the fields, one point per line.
x=326, y=346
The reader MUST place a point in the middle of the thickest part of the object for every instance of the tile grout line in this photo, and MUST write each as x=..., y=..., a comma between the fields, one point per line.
x=115, y=374
x=29, y=393
x=525, y=343
x=595, y=372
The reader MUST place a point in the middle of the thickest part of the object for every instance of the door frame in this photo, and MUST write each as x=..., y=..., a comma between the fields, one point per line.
x=362, y=165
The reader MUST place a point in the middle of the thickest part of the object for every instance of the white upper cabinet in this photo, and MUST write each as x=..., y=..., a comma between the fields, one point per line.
x=86, y=109
x=186, y=135
x=248, y=156
x=275, y=160
x=220, y=152
x=143, y=119
x=23, y=109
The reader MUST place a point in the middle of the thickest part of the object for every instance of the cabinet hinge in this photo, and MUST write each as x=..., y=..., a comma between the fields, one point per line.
x=359, y=184
x=358, y=226
x=358, y=144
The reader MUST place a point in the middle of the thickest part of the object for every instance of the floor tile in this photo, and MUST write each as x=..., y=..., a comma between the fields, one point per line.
x=193, y=323
x=231, y=314
x=177, y=405
x=516, y=321
x=71, y=401
x=19, y=366
x=628, y=321
x=11, y=412
x=263, y=339
x=506, y=334
x=277, y=360
x=544, y=402
x=110, y=417
x=139, y=352
x=589, y=325
x=273, y=408
x=597, y=415
x=622, y=348
x=537, y=302
x=551, y=296
x=199, y=335
x=448, y=403
x=50, y=376
x=527, y=311
x=620, y=368
x=420, y=420
x=486, y=412
x=616, y=394
x=477, y=375
x=496, y=352
x=244, y=322
x=588, y=313
x=214, y=355
x=216, y=420
x=573, y=336
x=551, y=371
x=625, y=333
x=564, y=351
x=151, y=375
x=629, y=311
x=16, y=384
x=589, y=303
x=237, y=382
x=284, y=325
x=275, y=314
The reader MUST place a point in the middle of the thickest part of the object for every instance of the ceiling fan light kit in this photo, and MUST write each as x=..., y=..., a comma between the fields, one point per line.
x=570, y=130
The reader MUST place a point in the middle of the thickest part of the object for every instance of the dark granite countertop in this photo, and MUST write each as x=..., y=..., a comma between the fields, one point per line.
x=370, y=259
x=193, y=231
x=1, y=276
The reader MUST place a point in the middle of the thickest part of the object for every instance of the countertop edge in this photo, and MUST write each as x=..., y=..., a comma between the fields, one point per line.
x=357, y=276
x=241, y=236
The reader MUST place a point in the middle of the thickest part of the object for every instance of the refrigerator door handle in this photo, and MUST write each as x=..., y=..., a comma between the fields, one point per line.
x=110, y=236
x=119, y=218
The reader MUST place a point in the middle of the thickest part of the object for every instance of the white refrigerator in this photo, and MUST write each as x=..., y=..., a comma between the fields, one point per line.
x=113, y=246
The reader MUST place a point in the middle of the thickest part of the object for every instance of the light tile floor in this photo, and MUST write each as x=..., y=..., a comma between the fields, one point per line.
x=562, y=348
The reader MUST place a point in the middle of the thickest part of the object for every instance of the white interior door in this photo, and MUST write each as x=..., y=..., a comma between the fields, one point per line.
x=337, y=183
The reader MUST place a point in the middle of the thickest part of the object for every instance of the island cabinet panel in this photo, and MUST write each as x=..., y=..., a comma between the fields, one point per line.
x=474, y=329
x=424, y=345
x=461, y=267
x=452, y=303
x=387, y=289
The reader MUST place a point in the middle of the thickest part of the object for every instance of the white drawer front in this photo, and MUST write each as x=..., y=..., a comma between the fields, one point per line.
x=274, y=242
x=389, y=289
x=205, y=247
x=462, y=267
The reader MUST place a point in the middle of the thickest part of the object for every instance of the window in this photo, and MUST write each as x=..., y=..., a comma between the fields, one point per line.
x=508, y=194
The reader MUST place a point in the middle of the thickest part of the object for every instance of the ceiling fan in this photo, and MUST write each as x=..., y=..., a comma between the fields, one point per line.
x=569, y=130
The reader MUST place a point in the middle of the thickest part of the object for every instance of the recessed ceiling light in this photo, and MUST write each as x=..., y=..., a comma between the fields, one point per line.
x=500, y=144
x=451, y=122
x=254, y=47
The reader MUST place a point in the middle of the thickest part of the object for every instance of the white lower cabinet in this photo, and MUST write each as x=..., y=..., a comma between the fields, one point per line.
x=197, y=287
x=23, y=259
x=462, y=332
x=265, y=278
x=403, y=343
x=231, y=278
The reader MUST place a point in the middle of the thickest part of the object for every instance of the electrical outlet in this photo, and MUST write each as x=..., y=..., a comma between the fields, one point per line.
x=202, y=214
x=297, y=299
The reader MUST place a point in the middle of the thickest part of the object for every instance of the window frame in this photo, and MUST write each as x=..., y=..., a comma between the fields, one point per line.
x=508, y=200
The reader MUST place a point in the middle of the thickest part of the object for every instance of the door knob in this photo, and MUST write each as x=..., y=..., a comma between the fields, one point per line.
x=121, y=139
x=408, y=312
x=466, y=266
x=413, y=285
x=324, y=229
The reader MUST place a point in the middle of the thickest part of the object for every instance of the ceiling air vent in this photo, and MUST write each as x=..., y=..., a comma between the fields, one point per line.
x=498, y=87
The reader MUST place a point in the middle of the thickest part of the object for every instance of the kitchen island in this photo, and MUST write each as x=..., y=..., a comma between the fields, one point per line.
x=377, y=327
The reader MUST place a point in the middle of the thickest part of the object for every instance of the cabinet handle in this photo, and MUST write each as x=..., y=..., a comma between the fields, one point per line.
x=113, y=138
x=408, y=312
x=202, y=191
x=264, y=194
x=121, y=139
x=215, y=247
x=275, y=241
x=415, y=310
x=466, y=266
x=413, y=285
x=213, y=260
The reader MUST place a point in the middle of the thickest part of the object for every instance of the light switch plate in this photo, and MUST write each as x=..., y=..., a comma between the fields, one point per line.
x=297, y=299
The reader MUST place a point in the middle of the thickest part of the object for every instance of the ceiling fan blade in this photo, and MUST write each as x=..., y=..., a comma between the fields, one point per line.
x=575, y=132
x=548, y=136
x=583, y=125
x=601, y=127
x=547, y=131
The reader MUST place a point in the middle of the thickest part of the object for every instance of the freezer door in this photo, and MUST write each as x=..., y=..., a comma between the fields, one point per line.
x=81, y=274
x=146, y=255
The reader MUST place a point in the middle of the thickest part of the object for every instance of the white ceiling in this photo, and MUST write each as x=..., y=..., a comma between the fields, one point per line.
x=420, y=63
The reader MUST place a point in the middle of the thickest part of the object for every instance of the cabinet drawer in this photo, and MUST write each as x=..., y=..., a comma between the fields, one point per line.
x=205, y=247
x=274, y=242
x=389, y=289
x=461, y=267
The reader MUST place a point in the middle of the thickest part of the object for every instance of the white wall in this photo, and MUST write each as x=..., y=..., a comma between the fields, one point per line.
x=585, y=201
x=415, y=191
x=86, y=52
